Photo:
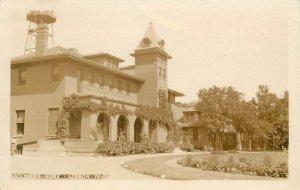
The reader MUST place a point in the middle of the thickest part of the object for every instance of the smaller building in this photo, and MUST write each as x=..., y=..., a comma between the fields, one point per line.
x=201, y=136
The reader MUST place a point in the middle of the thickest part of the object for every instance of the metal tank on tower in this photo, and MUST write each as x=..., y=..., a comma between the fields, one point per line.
x=38, y=30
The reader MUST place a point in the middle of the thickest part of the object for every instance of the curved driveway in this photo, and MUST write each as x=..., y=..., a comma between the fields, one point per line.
x=39, y=164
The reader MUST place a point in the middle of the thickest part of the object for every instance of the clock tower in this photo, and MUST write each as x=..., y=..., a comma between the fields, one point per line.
x=151, y=65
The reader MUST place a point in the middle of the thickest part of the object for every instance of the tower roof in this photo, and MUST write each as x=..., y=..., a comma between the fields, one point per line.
x=151, y=39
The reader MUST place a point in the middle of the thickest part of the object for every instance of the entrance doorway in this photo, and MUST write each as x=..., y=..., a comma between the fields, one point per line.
x=103, y=127
x=75, y=125
x=138, y=130
x=122, y=127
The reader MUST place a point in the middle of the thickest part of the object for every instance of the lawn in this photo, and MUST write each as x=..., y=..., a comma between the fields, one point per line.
x=167, y=166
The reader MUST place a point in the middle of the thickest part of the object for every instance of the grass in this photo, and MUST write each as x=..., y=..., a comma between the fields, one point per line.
x=167, y=166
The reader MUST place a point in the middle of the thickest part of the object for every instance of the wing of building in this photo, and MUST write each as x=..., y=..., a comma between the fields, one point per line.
x=42, y=79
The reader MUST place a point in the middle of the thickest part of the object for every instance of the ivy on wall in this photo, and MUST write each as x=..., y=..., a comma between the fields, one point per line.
x=72, y=106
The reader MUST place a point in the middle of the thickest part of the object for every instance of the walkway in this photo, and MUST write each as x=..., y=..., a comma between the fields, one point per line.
x=157, y=164
x=81, y=164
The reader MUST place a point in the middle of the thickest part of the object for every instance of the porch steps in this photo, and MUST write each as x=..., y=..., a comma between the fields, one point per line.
x=71, y=147
x=50, y=148
x=80, y=147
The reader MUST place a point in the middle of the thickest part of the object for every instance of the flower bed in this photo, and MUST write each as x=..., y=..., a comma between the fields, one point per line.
x=119, y=148
x=231, y=165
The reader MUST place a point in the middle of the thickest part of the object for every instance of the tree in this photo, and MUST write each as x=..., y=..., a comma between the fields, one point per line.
x=244, y=119
x=273, y=113
x=262, y=121
x=281, y=122
x=215, y=109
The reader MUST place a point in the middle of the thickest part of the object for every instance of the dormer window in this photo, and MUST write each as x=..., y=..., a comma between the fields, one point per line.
x=161, y=43
x=146, y=42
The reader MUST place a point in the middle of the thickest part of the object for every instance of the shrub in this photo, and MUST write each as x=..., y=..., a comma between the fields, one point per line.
x=185, y=144
x=214, y=163
x=119, y=148
x=267, y=161
x=243, y=160
x=186, y=147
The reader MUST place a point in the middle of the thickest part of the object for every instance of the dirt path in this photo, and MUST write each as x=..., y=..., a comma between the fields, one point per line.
x=158, y=164
x=75, y=165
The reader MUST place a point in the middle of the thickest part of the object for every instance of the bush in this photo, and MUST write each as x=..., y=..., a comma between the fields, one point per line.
x=243, y=160
x=187, y=147
x=185, y=144
x=214, y=163
x=119, y=148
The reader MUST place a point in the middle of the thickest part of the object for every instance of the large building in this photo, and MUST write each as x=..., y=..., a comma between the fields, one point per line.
x=40, y=81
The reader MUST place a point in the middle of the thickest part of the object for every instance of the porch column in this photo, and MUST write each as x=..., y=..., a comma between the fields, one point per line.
x=161, y=133
x=113, y=128
x=88, y=121
x=153, y=131
x=130, y=127
x=145, y=127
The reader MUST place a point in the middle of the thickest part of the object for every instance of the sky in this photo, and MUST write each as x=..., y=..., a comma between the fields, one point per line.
x=238, y=43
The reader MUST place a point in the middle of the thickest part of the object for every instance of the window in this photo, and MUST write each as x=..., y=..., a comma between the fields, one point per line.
x=22, y=77
x=164, y=74
x=79, y=81
x=52, y=121
x=101, y=81
x=146, y=42
x=20, y=122
x=55, y=73
x=91, y=78
x=128, y=88
x=195, y=133
x=120, y=86
x=160, y=72
x=104, y=81
x=111, y=83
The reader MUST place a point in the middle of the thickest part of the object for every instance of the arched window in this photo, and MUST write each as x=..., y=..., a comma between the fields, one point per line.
x=146, y=42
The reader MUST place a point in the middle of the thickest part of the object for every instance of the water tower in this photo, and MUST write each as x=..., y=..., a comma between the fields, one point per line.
x=38, y=30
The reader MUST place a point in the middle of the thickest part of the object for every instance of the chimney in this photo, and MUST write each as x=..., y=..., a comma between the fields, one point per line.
x=41, y=39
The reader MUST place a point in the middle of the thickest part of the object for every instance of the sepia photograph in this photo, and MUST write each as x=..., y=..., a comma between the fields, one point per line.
x=149, y=94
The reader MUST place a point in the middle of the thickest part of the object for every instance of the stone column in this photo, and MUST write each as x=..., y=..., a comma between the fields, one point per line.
x=153, y=132
x=130, y=127
x=88, y=121
x=161, y=133
x=238, y=141
x=113, y=128
x=145, y=127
